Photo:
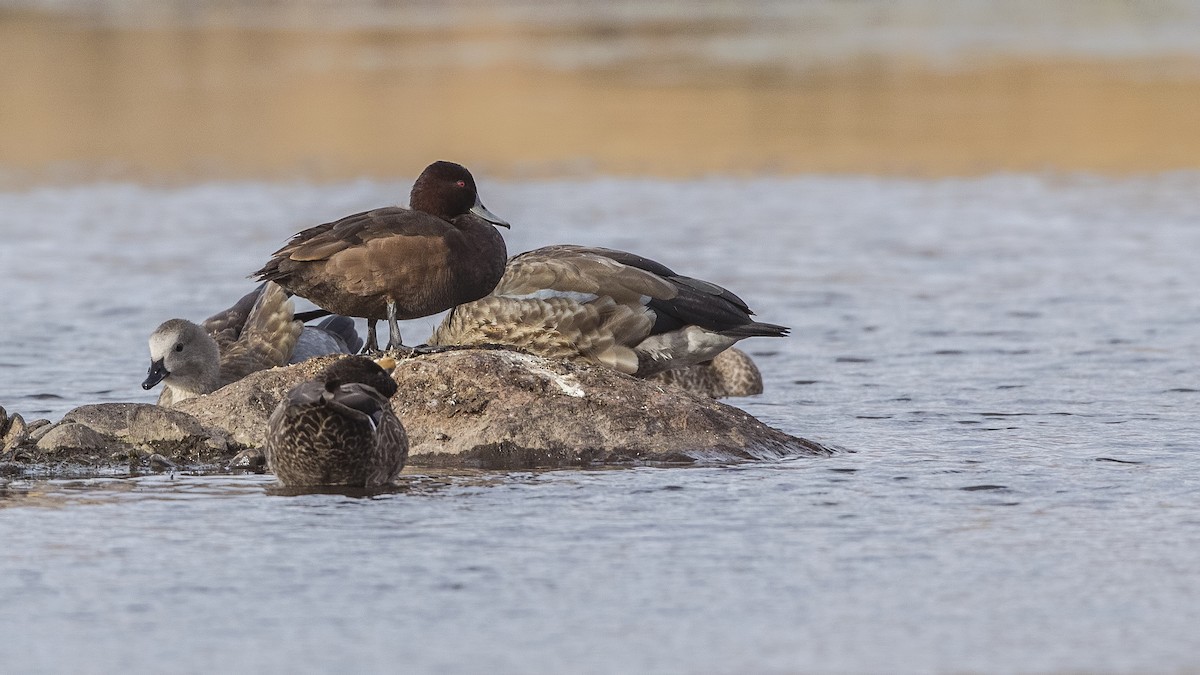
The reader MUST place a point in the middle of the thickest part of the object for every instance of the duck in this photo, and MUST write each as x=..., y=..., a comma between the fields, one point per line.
x=334, y=335
x=730, y=373
x=610, y=307
x=398, y=263
x=339, y=429
x=260, y=331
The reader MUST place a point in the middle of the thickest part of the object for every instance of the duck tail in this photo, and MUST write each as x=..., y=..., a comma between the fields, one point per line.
x=756, y=329
x=312, y=314
x=343, y=328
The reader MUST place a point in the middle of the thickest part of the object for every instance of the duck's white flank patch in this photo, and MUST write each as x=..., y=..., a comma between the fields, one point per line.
x=547, y=293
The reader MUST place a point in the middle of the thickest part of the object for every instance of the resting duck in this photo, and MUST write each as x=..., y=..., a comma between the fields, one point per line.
x=395, y=263
x=259, y=331
x=614, y=308
x=339, y=429
x=730, y=373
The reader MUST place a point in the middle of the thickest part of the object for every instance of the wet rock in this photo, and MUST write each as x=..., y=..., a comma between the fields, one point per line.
x=107, y=418
x=131, y=454
x=36, y=433
x=73, y=436
x=152, y=428
x=503, y=409
x=159, y=463
x=174, y=433
x=14, y=432
x=250, y=459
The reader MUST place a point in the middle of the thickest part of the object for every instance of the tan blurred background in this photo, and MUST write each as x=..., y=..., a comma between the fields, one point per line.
x=171, y=90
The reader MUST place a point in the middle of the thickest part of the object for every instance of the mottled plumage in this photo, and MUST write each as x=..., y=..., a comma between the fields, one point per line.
x=730, y=373
x=395, y=263
x=338, y=430
x=618, y=309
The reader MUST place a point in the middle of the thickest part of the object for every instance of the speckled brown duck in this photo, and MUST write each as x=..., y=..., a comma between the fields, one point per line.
x=339, y=429
x=610, y=307
x=399, y=263
x=730, y=373
x=256, y=333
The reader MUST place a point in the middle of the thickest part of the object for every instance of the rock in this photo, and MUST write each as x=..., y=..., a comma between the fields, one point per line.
x=174, y=433
x=36, y=433
x=159, y=463
x=107, y=418
x=241, y=409
x=14, y=433
x=504, y=409
x=152, y=428
x=73, y=436
x=250, y=459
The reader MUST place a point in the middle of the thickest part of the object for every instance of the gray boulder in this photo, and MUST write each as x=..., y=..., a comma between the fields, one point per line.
x=504, y=409
x=134, y=429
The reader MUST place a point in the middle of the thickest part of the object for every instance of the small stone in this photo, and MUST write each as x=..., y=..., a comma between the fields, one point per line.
x=74, y=436
x=38, y=432
x=152, y=428
x=159, y=463
x=110, y=419
x=251, y=459
x=131, y=453
x=15, y=434
x=152, y=424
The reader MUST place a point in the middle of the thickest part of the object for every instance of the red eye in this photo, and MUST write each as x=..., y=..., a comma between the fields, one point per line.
x=461, y=183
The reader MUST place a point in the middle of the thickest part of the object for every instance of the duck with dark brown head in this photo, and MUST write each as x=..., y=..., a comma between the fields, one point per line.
x=399, y=263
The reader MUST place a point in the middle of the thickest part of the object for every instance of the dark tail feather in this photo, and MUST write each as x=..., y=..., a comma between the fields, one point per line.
x=343, y=327
x=305, y=317
x=756, y=329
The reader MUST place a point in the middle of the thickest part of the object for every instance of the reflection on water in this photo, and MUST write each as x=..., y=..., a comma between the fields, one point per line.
x=800, y=87
x=181, y=486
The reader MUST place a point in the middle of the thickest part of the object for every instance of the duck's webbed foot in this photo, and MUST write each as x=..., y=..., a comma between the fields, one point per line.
x=395, y=343
x=372, y=346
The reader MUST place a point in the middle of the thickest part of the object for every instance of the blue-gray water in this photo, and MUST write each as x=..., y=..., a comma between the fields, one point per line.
x=1011, y=359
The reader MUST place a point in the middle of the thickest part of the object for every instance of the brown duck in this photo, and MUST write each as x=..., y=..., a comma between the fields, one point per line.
x=398, y=263
x=730, y=373
x=614, y=308
x=339, y=429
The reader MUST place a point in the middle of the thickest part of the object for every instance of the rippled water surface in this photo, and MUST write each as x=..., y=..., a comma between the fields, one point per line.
x=1010, y=362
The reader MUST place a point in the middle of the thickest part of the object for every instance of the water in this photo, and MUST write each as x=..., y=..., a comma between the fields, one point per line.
x=1011, y=360
x=191, y=90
